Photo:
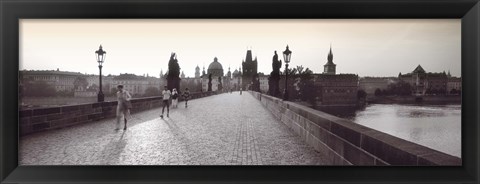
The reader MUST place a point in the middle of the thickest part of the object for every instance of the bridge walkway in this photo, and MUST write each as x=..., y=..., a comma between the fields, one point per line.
x=224, y=129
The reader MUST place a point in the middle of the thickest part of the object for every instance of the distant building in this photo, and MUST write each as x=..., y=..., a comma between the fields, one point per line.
x=182, y=75
x=194, y=84
x=197, y=72
x=236, y=80
x=263, y=79
x=137, y=85
x=425, y=83
x=335, y=89
x=454, y=84
x=219, y=81
x=65, y=81
x=60, y=80
x=339, y=89
x=94, y=82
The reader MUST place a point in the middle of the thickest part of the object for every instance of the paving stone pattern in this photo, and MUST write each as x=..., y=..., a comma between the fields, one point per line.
x=225, y=129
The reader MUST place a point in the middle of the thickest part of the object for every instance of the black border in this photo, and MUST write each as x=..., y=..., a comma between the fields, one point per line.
x=12, y=10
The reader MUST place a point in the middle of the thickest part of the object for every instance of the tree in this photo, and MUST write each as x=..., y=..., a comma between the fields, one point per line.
x=400, y=88
x=80, y=83
x=378, y=92
x=113, y=92
x=361, y=94
x=93, y=87
x=306, y=85
x=39, y=89
x=453, y=91
x=152, y=91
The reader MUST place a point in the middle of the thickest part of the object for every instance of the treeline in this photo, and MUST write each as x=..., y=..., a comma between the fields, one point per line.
x=402, y=88
x=300, y=85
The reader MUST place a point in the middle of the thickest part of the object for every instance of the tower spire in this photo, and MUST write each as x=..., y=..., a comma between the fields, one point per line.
x=330, y=55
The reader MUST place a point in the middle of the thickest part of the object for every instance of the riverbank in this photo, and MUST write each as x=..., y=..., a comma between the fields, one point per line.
x=425, y=100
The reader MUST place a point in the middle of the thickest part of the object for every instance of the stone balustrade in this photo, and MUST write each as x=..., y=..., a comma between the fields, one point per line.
x=42, y=119
x=348, y=143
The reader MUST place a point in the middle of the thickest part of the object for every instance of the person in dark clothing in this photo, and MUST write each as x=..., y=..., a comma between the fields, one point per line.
x=186, y=96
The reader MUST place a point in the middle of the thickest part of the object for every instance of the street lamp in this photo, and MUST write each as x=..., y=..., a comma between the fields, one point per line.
x=100, y=59
x=287, y=54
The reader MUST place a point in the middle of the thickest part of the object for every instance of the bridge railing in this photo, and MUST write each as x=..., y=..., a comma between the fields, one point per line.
x=348, y=143
x=43, y=119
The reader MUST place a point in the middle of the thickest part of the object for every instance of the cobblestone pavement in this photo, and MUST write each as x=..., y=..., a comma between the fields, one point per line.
x=225, y=129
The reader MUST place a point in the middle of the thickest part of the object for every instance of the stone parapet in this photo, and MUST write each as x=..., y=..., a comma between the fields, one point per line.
x=43, y=119
x=347, y=143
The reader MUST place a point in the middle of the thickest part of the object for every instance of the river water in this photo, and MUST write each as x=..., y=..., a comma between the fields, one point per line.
x=434, y=126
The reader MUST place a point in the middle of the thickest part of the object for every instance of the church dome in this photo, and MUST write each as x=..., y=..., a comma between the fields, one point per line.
x=215, y=65
x=215, y=68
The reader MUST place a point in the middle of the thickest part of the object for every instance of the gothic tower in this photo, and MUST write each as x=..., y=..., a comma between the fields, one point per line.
x=249, y=69
x=197, y=72
x=330, y=67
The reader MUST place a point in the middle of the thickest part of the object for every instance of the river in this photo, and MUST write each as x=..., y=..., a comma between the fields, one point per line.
x=434, y=126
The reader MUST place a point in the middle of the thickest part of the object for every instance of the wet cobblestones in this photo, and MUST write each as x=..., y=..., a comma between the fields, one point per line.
x=225, y=129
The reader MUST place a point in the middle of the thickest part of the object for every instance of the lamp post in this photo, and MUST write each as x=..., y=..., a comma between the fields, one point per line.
x=287, y=54
x=100, y=59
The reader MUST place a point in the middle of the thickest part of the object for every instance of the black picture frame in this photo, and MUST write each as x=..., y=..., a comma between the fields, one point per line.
x=13, y=10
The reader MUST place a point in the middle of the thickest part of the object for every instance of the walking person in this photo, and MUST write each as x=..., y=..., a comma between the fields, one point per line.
x=166, y=97
x=123, y=106
x=186, y=96
x=240, y=91
x=174, y=98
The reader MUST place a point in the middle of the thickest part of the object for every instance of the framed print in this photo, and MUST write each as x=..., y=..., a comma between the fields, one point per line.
x=239, y=91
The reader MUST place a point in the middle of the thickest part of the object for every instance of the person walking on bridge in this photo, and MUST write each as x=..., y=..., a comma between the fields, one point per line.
x=186, y=96
x=166, y=97
x=123, y=106
x=174, y=98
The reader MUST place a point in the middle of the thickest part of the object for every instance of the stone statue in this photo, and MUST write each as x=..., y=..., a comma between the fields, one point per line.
x=276, y=64
x=273, y=80
x=173, y=76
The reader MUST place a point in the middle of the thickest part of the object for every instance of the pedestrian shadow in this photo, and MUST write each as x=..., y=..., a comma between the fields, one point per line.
x=180, y=136
x=111, y=153
x=141, y=117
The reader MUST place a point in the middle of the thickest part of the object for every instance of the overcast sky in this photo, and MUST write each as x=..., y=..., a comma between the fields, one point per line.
x=367, y=47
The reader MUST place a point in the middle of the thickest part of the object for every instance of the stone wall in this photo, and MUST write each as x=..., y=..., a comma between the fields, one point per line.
x=347, y=143
x=42, y=119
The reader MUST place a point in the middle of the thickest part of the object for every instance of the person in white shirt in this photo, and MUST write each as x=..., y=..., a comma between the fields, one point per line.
x=166, y=97
x=174, y=98
x=123, y=106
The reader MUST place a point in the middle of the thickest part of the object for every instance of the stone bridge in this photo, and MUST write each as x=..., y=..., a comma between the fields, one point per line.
x=222, y=129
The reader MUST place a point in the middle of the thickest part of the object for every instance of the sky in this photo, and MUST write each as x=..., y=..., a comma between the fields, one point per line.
x=367, y=47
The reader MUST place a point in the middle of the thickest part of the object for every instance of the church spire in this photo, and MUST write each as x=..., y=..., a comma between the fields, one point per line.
x=330, y=67
x=330, y=55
